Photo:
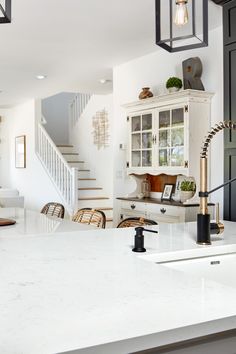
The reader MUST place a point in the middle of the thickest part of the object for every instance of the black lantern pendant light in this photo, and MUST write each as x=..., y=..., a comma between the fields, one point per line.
x=5, y=11
x=181, y=24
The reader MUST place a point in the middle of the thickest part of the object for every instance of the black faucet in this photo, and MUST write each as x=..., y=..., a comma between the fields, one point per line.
x=204, y=226
x=139, y=239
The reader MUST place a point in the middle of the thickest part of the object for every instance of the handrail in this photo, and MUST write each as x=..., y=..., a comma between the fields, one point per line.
x=64, y=177
x=77, y=107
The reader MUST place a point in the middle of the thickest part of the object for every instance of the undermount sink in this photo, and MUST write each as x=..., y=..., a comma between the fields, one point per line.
x=217, y=268
x=188, y=254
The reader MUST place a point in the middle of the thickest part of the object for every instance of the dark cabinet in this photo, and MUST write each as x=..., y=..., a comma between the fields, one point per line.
x=229, y=16
x=230, y=191
x=230, y=92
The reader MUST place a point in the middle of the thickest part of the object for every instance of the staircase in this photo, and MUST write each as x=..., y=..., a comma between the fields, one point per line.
x=90, y=194
x=73, y=180
x=63, y=176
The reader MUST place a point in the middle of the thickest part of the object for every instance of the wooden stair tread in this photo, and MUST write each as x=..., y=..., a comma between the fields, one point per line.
x=104, y=208
x=75, y=161
x=93, y=198
x=90, y=189
x=69, y=146
x=109, y=219
x=70, y=153
x=87, y=179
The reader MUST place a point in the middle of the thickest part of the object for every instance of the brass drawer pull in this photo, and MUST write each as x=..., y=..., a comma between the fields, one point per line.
x=132, y=206
x=163, y=210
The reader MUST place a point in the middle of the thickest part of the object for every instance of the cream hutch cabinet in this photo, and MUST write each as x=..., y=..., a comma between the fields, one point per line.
x=166, y=133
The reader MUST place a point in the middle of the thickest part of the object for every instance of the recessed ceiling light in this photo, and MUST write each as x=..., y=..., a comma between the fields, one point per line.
x=41, y=77
x=104, y=81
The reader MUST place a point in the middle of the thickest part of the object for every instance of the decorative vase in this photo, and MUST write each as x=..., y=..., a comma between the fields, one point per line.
x=186, y=195
x=146, y=93
x=173, y=89
x=146, y=188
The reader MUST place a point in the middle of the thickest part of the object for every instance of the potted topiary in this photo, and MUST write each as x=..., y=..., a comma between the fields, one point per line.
x=174, y=84
x=187, y=190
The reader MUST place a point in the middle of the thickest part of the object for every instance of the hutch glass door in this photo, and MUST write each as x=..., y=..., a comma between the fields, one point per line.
x=171, y=138
x=141, y=140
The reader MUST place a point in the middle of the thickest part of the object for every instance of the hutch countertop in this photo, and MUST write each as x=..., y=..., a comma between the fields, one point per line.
x=160, y=201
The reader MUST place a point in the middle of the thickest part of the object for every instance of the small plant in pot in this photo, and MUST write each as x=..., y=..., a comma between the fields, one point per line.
x=187, y=190
x=174, y=84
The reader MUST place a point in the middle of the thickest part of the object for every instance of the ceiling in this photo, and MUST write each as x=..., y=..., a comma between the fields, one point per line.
x=75, y=43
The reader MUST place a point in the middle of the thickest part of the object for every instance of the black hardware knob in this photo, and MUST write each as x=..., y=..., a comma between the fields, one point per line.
x=163, y=210
x=133, y=206
x=139, y=239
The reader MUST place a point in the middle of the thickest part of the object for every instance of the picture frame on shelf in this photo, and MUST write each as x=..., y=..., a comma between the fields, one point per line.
x=167, y=191
x=20, y=151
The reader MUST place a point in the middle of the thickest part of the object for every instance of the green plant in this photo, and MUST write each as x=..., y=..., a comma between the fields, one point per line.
x=174, y=82
x=188, y=186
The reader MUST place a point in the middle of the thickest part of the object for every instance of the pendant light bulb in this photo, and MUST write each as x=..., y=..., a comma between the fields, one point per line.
x=181, y=15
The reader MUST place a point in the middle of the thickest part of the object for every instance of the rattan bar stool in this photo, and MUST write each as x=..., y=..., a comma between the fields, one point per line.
x=54, y=209
x=90, y=216
x=135, y=222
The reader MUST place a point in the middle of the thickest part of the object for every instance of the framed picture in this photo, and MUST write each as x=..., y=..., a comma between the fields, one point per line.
x=168, y=191
x=20, y=151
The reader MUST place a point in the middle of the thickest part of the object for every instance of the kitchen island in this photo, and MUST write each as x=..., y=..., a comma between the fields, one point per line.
x=87, y=292
x=30, y=222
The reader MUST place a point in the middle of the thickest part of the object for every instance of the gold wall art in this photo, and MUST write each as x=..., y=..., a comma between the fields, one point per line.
x=101, y=129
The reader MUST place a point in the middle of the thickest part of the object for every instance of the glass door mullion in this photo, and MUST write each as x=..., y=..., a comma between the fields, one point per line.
x=146, y=139
x=177, y=137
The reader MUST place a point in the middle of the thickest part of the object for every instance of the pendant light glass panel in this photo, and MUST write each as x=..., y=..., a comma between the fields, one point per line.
x=192, y=34
x=5, y=11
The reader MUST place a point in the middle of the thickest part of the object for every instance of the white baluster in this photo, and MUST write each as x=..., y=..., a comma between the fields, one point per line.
x=64, y=177
x=80, y=104
x=74, y=110
x=77, y=108
x=74, y=188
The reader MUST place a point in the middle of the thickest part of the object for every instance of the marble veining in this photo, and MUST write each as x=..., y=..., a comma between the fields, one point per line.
x=77, y=289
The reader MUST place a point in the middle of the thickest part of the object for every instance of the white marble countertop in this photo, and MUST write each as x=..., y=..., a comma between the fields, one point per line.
x=29, y=222
x=83, y=289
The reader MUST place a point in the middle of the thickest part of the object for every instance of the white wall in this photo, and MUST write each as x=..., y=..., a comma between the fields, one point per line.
x=4, y=147
x=109, y=164
x=55, y=109
x=100, y=162
x=152, y=71
x=32, y=182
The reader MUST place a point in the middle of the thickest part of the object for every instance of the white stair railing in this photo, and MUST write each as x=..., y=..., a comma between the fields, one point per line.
x=62, y=175
x=77, y=107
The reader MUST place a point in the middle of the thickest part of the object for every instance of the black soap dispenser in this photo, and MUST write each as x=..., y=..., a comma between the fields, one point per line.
x=139, y=239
